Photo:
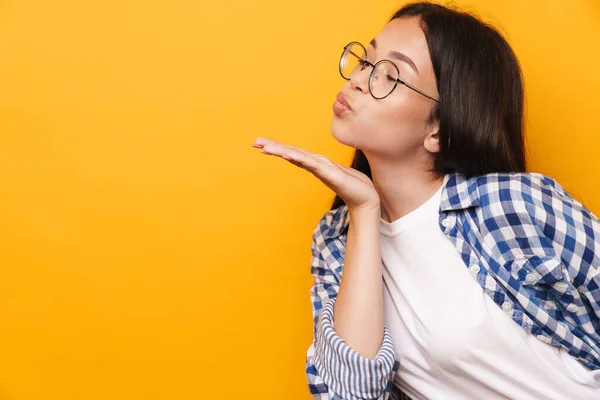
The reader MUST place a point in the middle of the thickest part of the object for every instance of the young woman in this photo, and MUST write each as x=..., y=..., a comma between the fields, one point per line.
x=444, y=270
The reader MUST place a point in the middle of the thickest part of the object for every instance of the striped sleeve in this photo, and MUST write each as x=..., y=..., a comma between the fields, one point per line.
x=334, y=370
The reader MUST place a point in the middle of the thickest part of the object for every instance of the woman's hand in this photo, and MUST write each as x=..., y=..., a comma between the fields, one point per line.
x=354, y=187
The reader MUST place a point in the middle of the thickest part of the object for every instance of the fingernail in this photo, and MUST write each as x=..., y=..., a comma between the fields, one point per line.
x=286, y=158
x=258, y=146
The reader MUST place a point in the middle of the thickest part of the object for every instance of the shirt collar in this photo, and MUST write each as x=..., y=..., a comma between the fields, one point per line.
x=459, y=192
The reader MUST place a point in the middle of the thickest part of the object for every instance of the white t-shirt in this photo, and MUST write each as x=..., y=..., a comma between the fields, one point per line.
x=452, y=340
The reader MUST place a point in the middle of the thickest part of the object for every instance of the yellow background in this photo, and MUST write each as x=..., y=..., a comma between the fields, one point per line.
x=147, y=251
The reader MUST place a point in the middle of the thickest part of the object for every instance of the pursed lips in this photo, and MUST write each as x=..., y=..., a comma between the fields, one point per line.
x=342, y=99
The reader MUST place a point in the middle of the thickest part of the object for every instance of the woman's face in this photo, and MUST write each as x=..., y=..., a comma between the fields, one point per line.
x=396, y=126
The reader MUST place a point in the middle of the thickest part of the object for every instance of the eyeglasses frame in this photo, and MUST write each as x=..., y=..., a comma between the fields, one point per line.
x=373, y=66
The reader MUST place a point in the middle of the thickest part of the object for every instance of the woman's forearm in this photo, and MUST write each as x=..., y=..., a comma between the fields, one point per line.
x=358, y=311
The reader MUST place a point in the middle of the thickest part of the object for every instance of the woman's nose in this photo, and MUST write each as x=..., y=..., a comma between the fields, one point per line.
x=359, y=79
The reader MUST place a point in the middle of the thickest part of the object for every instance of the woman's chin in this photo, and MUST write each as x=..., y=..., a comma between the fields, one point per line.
x=341, y=133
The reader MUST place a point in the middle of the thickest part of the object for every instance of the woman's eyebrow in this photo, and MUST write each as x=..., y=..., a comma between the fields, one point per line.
x=398, y=56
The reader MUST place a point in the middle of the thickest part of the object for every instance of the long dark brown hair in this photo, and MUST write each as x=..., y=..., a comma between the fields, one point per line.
x=480, y=84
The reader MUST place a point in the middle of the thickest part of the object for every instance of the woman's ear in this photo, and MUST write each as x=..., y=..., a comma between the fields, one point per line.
x=432, y=141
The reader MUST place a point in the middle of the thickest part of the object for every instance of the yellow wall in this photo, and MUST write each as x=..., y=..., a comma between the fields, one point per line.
x=147, y=251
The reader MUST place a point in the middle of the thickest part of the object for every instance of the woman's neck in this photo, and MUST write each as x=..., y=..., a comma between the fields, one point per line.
x=403, y=189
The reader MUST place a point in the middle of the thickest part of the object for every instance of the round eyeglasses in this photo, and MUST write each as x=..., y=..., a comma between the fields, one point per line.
x=384, y=74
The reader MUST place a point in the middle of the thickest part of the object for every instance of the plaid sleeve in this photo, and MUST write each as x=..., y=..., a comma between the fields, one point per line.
x=575, y=232
x=334, y=370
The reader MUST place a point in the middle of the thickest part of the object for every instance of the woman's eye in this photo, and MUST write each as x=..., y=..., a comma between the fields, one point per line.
x=390, y=78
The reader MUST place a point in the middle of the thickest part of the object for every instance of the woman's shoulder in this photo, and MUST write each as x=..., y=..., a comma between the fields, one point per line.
x=499, y=193
x=527, y=192
x=533, y=183
x=529, y=178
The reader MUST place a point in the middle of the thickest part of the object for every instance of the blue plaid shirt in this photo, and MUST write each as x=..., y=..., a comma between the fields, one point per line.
x=535, y=251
